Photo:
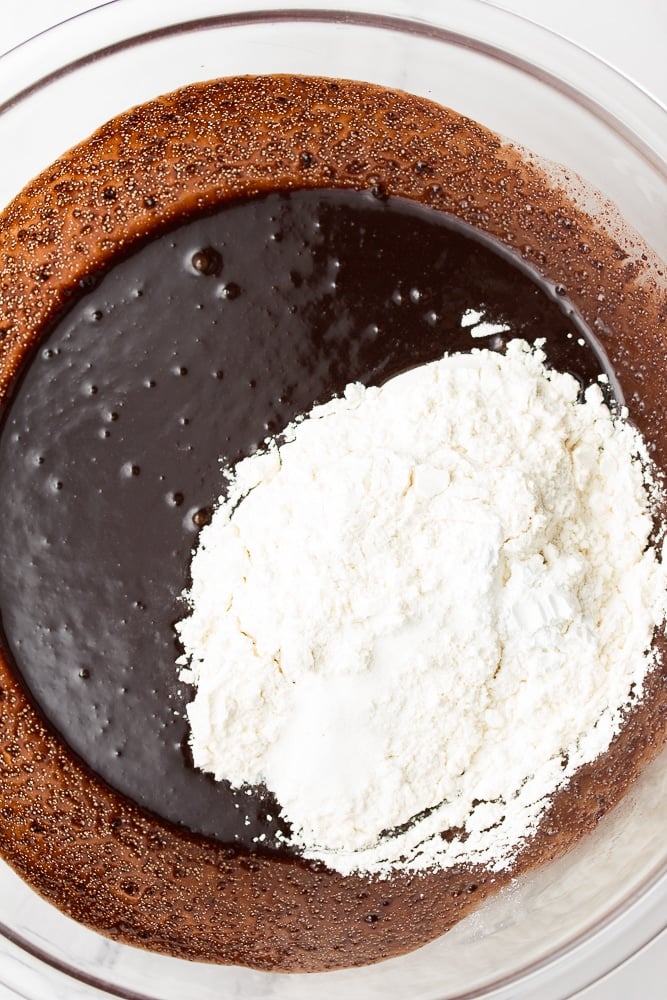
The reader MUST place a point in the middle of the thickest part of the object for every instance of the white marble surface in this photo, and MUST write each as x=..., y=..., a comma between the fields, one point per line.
x=632, y=37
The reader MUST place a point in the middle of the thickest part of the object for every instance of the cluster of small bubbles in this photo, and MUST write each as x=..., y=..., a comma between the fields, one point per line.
x=354, y=167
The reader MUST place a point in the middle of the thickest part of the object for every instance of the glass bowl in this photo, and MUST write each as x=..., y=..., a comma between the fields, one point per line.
x=562, y=928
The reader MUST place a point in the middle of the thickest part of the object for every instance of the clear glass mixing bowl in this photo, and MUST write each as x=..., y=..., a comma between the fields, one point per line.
x=555, y=932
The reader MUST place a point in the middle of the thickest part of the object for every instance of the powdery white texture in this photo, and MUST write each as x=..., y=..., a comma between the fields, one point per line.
x=425, y=610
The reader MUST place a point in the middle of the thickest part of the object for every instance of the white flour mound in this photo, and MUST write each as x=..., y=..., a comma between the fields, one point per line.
x=426, y=610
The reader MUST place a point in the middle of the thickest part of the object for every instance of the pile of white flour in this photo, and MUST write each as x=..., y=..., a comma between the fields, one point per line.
x=426, y=610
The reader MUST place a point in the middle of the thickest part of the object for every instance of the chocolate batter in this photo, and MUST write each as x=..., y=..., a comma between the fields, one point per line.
x=193, y=349
x=95, y=853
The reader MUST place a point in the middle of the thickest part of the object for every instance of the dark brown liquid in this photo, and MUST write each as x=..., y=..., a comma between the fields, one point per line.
x=195, y=348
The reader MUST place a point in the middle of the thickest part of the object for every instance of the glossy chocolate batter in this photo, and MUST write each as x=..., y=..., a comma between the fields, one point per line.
x=193, y=349
x=95, y=853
